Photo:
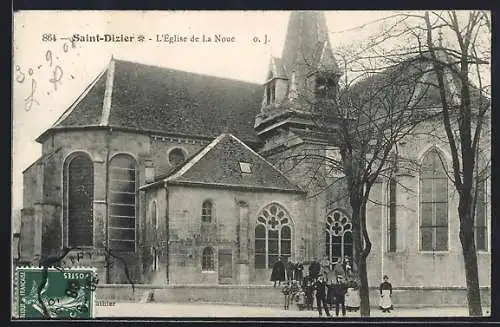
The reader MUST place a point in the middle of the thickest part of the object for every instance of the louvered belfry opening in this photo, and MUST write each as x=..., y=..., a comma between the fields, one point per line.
x=80, y=198
x=122, y=203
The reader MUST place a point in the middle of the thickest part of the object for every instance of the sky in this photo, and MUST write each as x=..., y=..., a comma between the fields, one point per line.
x=49, y=74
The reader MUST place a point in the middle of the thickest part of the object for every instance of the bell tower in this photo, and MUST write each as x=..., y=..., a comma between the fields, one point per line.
x=300, y=86
x=305, y=73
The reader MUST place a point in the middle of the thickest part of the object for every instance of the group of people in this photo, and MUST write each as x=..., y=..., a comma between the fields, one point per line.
x=287, y=271
x=330, y=285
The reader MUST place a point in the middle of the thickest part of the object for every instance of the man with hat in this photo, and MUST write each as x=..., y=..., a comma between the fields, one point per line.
x=314, y=268
x=339, y=291
x=320, y=286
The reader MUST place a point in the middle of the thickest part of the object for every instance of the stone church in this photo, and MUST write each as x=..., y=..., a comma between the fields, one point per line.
x=180, y=176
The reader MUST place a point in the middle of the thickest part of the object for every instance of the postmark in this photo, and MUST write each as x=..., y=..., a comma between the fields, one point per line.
x=52, y=293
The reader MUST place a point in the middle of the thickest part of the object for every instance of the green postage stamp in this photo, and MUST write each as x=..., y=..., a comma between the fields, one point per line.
x=51, y=293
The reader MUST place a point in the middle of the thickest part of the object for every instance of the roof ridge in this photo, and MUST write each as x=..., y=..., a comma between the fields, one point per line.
x=186, y=71
x=265, y=188
x=266, y=161
x=108, y=93
x=196, y=158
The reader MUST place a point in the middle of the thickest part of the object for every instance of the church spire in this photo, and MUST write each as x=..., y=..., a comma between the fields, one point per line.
x=306, y=74
x=307, y=45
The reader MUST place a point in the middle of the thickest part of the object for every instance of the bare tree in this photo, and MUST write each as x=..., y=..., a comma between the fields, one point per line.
x=469, y=113
x=456, y=47
x=364, y=119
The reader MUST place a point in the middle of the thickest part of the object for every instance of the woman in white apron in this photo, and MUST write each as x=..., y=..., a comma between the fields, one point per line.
x=352, y=300
x=386, y=295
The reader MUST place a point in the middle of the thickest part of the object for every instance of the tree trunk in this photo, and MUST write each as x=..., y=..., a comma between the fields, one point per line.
x=360, y=259
x=364, y=291
x=363, y=271
x=470, y=256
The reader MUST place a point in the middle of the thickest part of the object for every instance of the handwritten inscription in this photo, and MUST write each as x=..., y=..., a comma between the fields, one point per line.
x=31, y=76
x=30, y=99
x=55, y=71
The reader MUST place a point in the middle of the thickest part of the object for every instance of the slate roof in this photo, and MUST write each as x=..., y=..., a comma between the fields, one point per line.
x=151, y=98
x=402, y=78
x=87, y=109
x=218, y=164
x=411, y=79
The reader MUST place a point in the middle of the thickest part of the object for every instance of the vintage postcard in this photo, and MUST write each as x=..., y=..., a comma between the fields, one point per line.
x=251, y=164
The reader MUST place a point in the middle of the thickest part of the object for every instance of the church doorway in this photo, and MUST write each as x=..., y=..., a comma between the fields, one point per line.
x=225, y=266
x=338, y=234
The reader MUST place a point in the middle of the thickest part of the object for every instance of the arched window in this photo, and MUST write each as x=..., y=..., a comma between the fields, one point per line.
x=122, y=203
x=206, y=211
x=79, y=199
x=176, y=157
x=207, y=259
x=271, y=92
x=273, y=236
x=338, y=234
x=433, y=203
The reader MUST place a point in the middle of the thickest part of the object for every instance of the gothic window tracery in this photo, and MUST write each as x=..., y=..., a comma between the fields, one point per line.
x=338, y=234
x=273, y=236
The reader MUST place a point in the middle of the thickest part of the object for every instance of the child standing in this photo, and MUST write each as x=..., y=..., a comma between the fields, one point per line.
x=300, y=299
x=294, y=290
x=309, y=293
x=352, y=300
x=385, y=295
x=330, y=297
x=286, y=292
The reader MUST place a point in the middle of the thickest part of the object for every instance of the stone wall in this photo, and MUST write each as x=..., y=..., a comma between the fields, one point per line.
x=186, y=231
x=408, y=266
x=27, y=244
x=303, y=164
x=44, y=192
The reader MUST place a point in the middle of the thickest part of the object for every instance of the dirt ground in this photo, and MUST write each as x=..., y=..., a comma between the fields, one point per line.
x=154, y=310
